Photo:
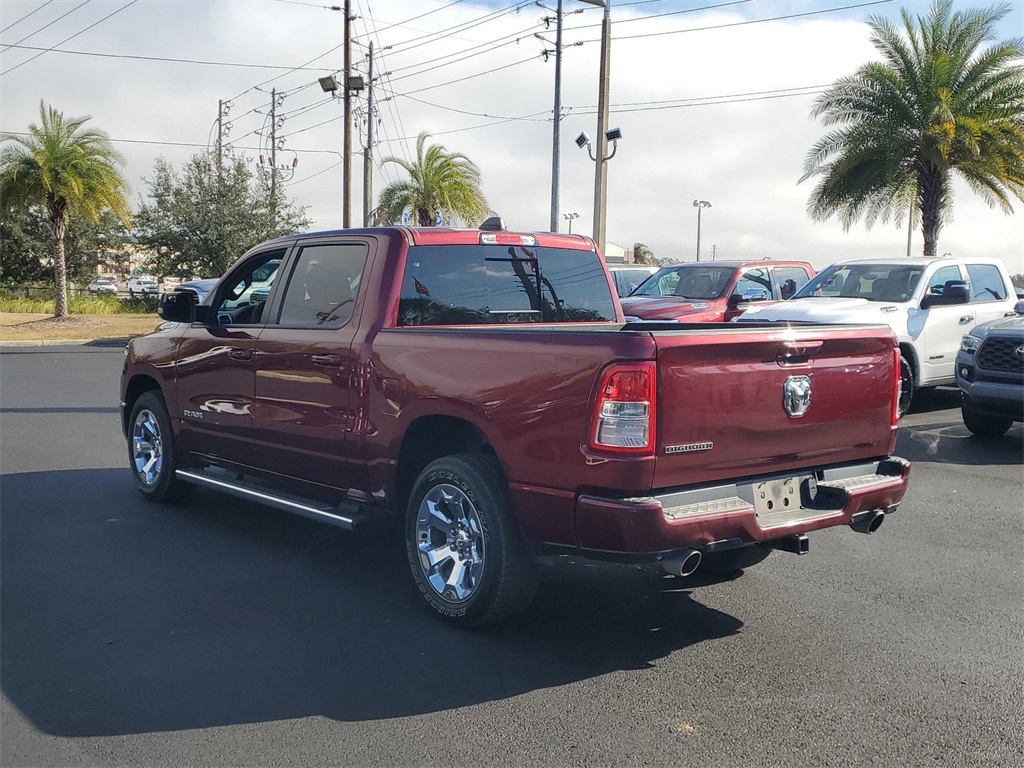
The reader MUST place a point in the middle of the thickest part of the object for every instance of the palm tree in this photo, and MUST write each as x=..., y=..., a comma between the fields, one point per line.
x=65, y=168
x=938, y=102
x=439, y=182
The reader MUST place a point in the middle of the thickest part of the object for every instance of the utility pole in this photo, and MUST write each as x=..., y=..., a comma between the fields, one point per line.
x=368, y=154
x=273, y=152
x=601, y=172
x=346, y=215
x=555, y=159
x=220, y=134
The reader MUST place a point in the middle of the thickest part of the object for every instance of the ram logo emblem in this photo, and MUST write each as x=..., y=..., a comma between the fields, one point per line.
x=796, y=395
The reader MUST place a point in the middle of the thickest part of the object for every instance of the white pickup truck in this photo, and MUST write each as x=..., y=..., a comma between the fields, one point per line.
x=929, y=303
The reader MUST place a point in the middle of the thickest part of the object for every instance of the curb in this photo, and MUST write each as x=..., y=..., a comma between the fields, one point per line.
x=120, y=342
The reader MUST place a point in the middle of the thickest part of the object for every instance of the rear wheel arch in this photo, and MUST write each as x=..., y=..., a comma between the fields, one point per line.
x=430, y=438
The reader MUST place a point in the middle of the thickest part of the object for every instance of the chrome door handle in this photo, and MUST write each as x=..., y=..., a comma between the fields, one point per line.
x=966, y=319
x=241, y=354
x=327, y=361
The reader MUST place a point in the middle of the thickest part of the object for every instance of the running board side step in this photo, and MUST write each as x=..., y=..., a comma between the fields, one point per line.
x=345, y=515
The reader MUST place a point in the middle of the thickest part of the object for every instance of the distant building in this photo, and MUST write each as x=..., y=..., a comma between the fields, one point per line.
x=616, y=254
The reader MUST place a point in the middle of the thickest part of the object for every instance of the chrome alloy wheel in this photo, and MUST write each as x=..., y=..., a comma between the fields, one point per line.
x=451, y=543
x=147, y=448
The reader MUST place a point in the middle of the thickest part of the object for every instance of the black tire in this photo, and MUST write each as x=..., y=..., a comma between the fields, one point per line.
x=735, y=559
x=463, y=543
x=152, y=455
x=983, y=424
x=906, y=387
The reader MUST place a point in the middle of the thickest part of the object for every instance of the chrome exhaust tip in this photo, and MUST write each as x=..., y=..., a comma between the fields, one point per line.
x=868, y=522
x=683, y=564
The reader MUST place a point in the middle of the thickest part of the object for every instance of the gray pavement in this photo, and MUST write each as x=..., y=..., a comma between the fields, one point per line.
x=221, y=633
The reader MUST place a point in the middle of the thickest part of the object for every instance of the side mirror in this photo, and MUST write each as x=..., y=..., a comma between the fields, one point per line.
x=177, y=307
x=752, y=294
x=953, y=292
x=1019, y=307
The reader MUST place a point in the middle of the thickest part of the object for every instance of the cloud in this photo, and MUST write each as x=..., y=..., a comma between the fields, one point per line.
x=744, y=154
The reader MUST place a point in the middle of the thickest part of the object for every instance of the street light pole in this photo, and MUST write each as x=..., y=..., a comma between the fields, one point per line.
x=555, y=159
x=601, y=172
x=699, y=205
x=569, y=217
x=346, y=211
x=368, y=155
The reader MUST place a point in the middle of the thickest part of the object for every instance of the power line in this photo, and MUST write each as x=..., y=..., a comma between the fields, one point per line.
x=32, y=34
x=71, y=37
x=164, y=59
x=13, y=23
x=460, y=56
x=735, y=23
x=405, y=46
x=377, y=31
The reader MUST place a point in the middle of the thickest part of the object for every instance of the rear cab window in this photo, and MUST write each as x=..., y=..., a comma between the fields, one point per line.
x=502, y=284
x=986, y=283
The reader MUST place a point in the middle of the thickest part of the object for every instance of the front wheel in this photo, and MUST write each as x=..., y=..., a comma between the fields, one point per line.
x=463, y=544
x=152, y=454
x=983, y=424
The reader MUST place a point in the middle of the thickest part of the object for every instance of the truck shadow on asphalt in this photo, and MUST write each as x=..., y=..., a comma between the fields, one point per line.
x=922, y=438
x=123, y=617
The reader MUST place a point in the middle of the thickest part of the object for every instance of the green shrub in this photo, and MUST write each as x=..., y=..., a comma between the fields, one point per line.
x=41, y=301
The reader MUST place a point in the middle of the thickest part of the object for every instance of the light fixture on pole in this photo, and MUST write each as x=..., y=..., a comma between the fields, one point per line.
x=699, y=204
x=604, y=86
x=600, y=187
x=569, y=217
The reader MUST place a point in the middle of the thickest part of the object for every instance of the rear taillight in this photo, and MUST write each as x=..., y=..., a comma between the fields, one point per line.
x=624, y=416
x=896, y=388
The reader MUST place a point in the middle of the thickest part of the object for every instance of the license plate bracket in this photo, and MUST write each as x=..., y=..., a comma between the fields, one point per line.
x=779, y=496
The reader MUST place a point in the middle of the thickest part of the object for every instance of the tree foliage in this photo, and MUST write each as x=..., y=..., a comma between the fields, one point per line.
x=26, y=245
x=642, y=254
x=66, y=169
x=440, y=182
x=200, y=219
x=944, y=99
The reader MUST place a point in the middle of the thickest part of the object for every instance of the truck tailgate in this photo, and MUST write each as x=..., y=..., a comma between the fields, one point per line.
x=722, y=410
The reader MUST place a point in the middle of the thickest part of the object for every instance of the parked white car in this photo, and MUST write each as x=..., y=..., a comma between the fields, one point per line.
x=103, y=285
x=929, y=303
x=142, y=285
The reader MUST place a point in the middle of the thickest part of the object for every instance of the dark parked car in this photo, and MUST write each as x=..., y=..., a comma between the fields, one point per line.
x=201, y=288
x=990, y=374
x=627, y=277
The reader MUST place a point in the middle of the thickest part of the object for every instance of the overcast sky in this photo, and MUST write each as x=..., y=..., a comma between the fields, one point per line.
x=713, y=99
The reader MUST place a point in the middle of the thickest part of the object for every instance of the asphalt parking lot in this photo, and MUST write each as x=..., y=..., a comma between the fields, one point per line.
x=220, y=633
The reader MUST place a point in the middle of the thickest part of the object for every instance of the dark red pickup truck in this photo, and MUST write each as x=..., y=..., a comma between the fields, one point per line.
x=482, y=386
x=708, y=292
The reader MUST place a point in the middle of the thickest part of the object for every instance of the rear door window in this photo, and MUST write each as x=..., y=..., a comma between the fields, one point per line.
x=486, y=284
x=789, y=280
x=324, y=285
x=986, y=283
